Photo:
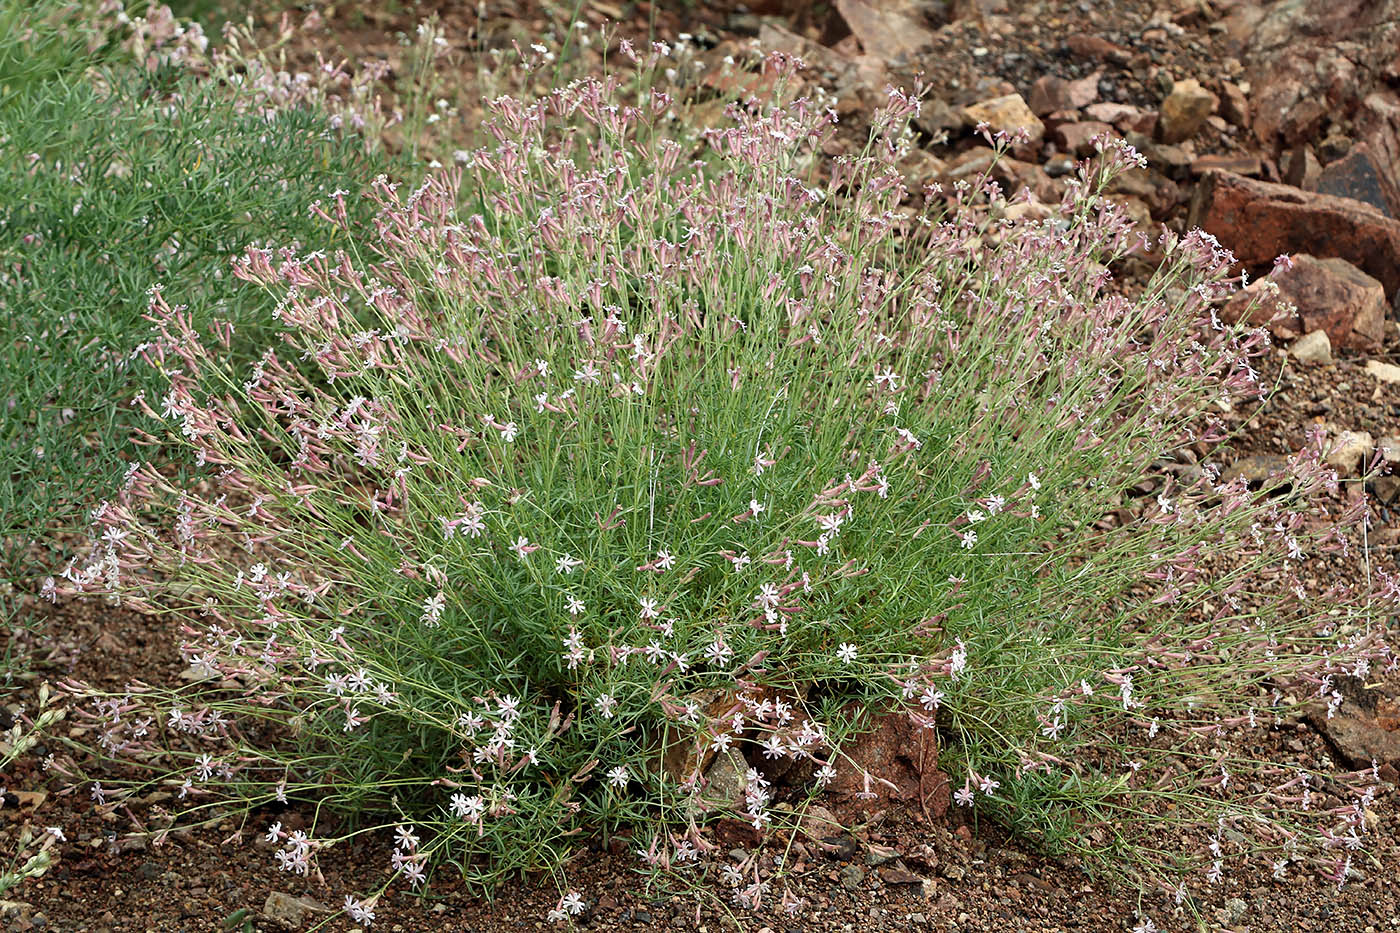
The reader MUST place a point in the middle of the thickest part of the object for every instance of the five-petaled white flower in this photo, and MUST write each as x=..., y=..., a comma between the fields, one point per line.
x=846, y=652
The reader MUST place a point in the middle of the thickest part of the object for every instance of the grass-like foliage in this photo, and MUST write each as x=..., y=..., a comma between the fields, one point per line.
x=607, y=444
x=119, y=171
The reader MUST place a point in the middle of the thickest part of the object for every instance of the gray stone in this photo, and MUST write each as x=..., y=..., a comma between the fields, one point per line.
x=1256, y=469
x=281, y=907
x=725, y=779
x=1357, y=176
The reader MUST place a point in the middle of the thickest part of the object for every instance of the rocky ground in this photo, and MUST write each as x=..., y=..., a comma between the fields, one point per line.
x=1275, y=127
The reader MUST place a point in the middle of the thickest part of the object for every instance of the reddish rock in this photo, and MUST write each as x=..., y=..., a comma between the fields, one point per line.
x=1078, y=138
x=1239, y=163
x=1301, y=168
x=901, y=759
x=968, y=165
x=1259, y=220
x=1050, y=93
x=1358, y=175
x=1095, y=48
x=886, y=30
x=1330, y=295
x=1234, y=106
x=1144, y=121
x=1304, y=120
x=1270, y=103
x=1123, y=116
x=1379, y=123
x=1365, y=727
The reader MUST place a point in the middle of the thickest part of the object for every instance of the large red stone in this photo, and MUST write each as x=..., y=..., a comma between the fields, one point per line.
x=896, y=751
x=1258, y=220
x=1330, y=295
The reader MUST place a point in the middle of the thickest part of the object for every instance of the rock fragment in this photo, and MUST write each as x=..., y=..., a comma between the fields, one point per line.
x=1257, y=469
x=1385, y=372
x=1007, y=113
x=1258, y=220
x=1184, y=111
x=1312, y=347
x=1358, y=176
x=1078, y=138
x=1051, y=93
x=1330, y=295
x=1349, y=451
x=889, y=29
x=290, y=911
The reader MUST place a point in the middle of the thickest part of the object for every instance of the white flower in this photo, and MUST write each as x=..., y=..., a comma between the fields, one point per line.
x=432, y=610
x=573, y=903
x=575, y=606
x=846, y=652
x=665, y=560
x=359, y=911
x=566, y=563
x=718, y=652
x=468, y=808
x=618, y=777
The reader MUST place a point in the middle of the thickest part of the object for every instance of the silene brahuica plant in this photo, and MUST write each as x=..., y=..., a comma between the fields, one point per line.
x=607, y=454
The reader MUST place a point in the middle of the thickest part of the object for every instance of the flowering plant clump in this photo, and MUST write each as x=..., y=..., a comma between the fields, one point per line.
x=613, y=451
